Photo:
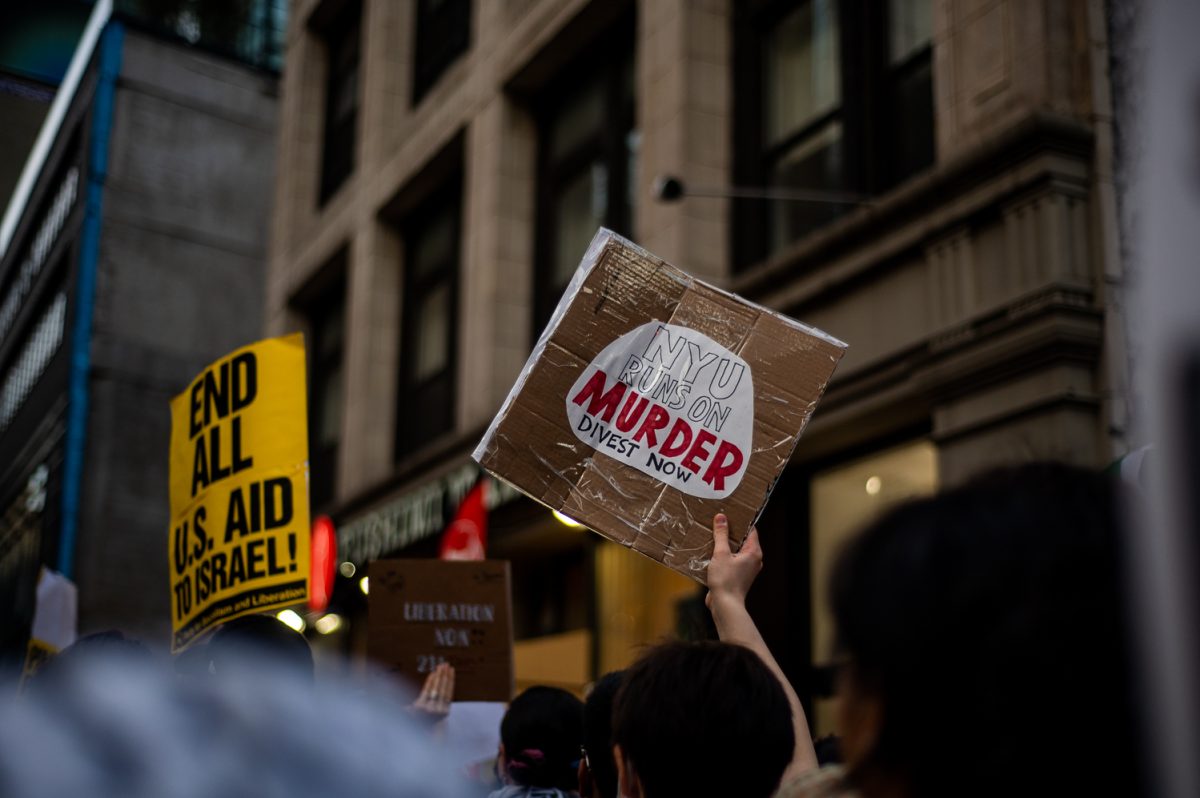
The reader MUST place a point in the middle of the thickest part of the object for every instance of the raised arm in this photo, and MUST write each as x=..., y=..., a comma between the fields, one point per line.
x=729, y=579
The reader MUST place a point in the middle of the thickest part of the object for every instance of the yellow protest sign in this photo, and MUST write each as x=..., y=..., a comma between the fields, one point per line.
x=239, y=488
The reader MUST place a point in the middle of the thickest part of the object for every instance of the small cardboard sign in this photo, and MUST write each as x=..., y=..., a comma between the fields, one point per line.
x=422, y=613
x=652, y=401
x=239, y=537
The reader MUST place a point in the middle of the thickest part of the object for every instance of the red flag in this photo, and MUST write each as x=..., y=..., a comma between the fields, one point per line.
x=466, y=537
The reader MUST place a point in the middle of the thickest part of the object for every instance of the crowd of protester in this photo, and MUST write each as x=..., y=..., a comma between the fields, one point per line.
x=982, y=644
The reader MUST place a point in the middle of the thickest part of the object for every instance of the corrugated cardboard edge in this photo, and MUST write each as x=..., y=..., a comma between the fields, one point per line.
x=788, y=320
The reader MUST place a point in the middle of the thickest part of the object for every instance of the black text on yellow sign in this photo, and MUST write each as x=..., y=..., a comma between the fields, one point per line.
x=239, y=488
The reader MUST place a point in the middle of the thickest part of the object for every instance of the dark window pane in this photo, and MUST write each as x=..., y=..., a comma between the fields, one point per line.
x=341, y=103
x=327, y=316
x=803, y=79
x=427, y=413
x=911, y=28
x=329, y=332
x=580, y=208
x=816, y=163
x=912, y=107
x=328, y=426
x=579, y=121
x=443, y=33
x=250, y=30
x=587, y=173
x=434, y=248
x=426, y=404
x=432, y=347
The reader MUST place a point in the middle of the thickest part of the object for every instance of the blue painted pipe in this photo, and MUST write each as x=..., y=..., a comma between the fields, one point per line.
x=103, y=104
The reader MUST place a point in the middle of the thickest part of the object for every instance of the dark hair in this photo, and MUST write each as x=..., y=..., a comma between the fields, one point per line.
x=988, y=622
x=701, y=719
x=597, y=732
x=258, y=637
x=542, y=731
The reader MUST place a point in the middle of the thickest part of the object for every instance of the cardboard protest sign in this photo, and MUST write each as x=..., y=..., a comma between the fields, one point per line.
x=239, y=534
x=653, y=401
x=422, y=613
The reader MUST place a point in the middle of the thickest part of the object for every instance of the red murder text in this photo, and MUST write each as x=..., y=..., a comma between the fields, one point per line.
x=624, y=421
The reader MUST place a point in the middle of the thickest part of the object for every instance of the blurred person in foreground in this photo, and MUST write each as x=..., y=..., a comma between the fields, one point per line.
x=983, y=640
x=75, y=661
x=124, y=729
x=597, y=769
x=540, y=739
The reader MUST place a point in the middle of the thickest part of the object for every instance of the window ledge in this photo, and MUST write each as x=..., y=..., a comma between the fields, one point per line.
x=937, y=198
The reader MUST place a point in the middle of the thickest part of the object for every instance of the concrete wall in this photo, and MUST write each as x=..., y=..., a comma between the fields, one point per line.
x=182, y=253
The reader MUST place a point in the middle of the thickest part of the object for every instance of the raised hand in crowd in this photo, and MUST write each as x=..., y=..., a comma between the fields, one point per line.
x=433, y=702
x=730, y=576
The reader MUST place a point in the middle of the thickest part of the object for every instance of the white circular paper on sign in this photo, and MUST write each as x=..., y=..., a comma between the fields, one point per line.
x=672, y=403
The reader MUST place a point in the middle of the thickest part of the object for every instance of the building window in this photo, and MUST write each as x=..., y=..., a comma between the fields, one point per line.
x=588, y=151
x=834, y=97
x=253, y=31
x=343, y=45
x=908, y=89
x=443, y=33
x=430, y=320
x=325, y=309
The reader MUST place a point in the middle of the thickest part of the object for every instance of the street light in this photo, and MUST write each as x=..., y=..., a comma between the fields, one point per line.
x=566, y=520
x=328, y=624
x=290, y=617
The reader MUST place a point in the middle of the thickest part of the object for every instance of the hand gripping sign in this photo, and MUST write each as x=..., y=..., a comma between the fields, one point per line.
x=239, y=537
x=653, y=400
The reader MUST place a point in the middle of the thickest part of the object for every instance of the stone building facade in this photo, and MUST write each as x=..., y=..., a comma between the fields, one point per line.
x=940, y=176
x=133, y=257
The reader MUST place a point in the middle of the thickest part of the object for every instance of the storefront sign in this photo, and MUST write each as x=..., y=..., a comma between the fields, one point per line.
x=425, y=612
x=239, y=538
x=414, y=515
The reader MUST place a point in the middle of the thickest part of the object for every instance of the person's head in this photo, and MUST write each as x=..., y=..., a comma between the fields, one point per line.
x=540, y=737
x=598, y=771
x=75, y=661
x=252, y=638
x=982, y=639
x=701, y=719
